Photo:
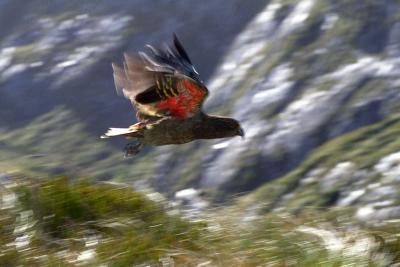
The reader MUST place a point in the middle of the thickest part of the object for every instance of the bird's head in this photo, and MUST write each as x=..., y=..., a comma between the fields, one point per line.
x=231, y=127
x=220, y=127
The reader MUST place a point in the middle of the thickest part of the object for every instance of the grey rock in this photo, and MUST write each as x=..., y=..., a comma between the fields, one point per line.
x=389, y=167
x=383, y=192
x=387, y=213
x=289, y=115
x=342, y=173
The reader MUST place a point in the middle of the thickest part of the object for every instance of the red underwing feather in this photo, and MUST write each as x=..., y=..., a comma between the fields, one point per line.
x=187, y=103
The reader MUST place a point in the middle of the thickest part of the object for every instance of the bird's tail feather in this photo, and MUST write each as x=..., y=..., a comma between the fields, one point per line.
x=116, y=132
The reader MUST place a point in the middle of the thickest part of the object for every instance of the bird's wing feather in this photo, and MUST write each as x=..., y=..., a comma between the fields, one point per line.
x=161, y=82
x=131, y=78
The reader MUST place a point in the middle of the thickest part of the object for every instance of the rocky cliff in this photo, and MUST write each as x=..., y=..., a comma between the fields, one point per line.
x=300, y=74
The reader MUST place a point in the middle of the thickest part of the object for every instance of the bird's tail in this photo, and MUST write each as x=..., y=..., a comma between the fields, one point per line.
x=127, y=132
x=115, y=132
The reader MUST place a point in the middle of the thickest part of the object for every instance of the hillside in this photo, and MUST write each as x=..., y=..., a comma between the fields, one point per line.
x=72, y=222
x=360, y=169
x=300, y=74
x=57, y=92
x=315, y=85
x=60, y=53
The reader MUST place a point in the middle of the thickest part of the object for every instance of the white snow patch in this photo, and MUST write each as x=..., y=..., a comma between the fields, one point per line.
x=330, y=240
x=272, y=89
x=156, y=197
x=268, y=14
x=280, y=74
x=91, y=241
x=79, y=55
x=245, y=53
x=365, y=65
x=305, y=103
x=6, y=55
x=276, y=86
x=82, y=16
x=353, y=196
x=203, y=264
x=360, y=246
x=252, y=128
x=350, y=245
x=312, y=176
x=351, y=68
x=8, y=50
x=36, y=64
x=297, y=115
x=329, y=22
x=229, y=66
x=66, y=64
x=365, y=212
x=13, y=70
x=383, y=203
x=22, y=229
x=343, y=170
x=252, y=51
x=297, y=17
x=188, y=193
x=221, y=145
x=8, y=201
x=86, y=255
x=389, y=166
x=374, y=185
x=22, y=241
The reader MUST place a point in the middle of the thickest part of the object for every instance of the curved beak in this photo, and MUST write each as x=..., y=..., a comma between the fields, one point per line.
x=241, y=132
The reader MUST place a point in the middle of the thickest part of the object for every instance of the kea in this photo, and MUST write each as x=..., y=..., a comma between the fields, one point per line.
x=168, y=94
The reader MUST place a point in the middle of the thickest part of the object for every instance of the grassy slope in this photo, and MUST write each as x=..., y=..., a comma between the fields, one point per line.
x=61, y=217
x=131, y=230
x=58, y=143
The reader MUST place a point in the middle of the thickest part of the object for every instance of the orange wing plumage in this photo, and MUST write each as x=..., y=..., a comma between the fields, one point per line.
x=162, y=82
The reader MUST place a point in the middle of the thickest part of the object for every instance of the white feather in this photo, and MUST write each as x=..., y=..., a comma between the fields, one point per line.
x=115, y=132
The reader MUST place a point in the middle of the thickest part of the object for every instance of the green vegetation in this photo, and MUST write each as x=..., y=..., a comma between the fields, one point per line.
x=64, y=216
x=58, y=143
x=290, y=221
x=73, y=222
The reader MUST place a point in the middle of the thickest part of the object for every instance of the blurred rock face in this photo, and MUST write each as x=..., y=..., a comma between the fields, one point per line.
x=301, y=73
x=60, y=53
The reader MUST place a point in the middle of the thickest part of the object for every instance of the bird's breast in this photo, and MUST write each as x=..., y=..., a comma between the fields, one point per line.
x=170, y=131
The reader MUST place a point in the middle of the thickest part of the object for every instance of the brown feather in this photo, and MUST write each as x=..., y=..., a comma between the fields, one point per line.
x=168, y=93
x=167, y=131
x=132, y=78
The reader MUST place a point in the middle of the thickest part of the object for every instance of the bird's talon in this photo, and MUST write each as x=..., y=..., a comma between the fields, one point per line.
x=132, y=149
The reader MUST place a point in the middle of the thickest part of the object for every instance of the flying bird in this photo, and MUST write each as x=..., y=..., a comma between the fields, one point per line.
x=168, y=94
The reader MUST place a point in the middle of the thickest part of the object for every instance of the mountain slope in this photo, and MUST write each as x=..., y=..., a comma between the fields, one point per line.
x=60, y=53
x=300, y=74
x=59, y=143
x=359, y=169
x=72, y=222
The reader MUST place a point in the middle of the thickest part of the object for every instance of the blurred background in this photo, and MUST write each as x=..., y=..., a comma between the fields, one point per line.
x=316, y=182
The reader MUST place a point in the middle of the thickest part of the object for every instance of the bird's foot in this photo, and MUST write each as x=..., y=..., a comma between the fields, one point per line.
x=132, y=149
x=138, y=126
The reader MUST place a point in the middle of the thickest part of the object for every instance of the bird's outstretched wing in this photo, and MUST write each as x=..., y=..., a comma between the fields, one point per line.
x=162, y=82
